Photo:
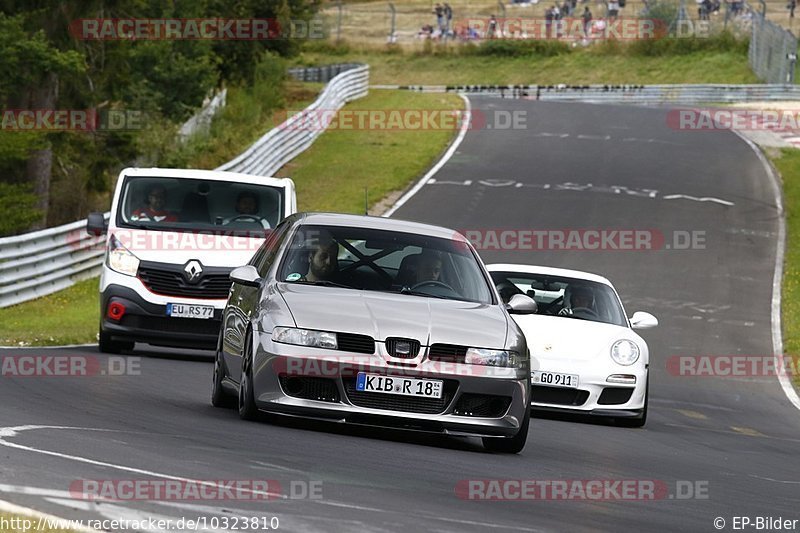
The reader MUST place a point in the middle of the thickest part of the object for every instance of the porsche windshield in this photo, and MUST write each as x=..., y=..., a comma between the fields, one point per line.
x=380, y=260
x=565, y=297
x=180, y=204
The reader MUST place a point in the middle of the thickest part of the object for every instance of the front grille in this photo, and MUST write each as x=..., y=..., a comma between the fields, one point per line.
x=169, y=280
x=482, y=405
x=392, y=343
x=351, y=342
x=447, y=353
x=396, y=402
x=558, y=396
x=615, y=395
x=310, y=388
x=187, y=326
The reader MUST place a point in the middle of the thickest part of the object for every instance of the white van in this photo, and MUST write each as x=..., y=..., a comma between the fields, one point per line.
x=172, y=238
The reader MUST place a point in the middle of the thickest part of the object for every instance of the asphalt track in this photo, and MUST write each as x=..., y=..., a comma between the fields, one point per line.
x=573, y=166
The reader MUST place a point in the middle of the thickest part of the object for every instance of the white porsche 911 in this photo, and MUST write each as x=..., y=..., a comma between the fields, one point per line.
x=585, y=356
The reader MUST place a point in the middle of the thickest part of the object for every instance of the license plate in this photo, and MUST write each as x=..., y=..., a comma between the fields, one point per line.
x=553, y=379
x=190, y=311
x=425, y=388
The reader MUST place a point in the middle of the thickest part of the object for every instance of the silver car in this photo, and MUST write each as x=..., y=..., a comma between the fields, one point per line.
x=375, y=321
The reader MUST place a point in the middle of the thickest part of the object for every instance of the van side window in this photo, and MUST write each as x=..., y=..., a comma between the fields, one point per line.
x=263, y=258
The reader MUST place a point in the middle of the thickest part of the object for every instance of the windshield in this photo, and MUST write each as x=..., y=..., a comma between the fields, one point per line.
x=565, y=297
x=179, y=204
x=379, y=260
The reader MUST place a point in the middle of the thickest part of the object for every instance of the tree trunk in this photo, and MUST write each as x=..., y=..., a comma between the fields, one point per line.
x=39, y=167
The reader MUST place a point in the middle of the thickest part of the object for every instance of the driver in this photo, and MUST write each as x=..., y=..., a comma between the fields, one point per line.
x=247, y=209
x=581, y=298
x=154, y=210
x=430, y=267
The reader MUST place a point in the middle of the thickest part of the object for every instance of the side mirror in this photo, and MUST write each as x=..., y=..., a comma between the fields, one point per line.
x=642, y=320
x=245, y=275
x=519, y=304
x=96, y=224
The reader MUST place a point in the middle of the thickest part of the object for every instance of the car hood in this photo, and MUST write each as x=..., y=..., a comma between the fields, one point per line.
x=562, y=338
x=381, y=315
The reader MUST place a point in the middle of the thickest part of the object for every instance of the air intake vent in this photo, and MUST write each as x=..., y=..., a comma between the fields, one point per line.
x=447, y=353
x=351, y=342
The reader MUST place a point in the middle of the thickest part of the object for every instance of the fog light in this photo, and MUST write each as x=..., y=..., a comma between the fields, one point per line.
x=115, y=311
x=627, y=379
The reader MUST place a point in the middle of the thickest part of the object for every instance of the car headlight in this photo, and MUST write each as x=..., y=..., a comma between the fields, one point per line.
x=305, y=337
x=481, y=356
x=625, y=352
x=120, y=259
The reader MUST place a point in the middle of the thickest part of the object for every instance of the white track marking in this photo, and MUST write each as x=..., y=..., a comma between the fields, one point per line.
x=777, y=339
x=696, y=199
x=445, y=158
x=13, y=431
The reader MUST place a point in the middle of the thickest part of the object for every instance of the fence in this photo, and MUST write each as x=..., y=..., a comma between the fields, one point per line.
x=40, y=263
x=773, y=51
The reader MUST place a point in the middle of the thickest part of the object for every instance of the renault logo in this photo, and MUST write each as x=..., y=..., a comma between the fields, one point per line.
x=193, y=270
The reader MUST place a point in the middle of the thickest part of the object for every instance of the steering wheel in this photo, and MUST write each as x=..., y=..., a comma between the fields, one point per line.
x=251, y=218
x=552, y=304
x=433, y=283
x=585, y=311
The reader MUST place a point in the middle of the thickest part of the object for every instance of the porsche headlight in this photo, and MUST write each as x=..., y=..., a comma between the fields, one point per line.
x=120, y=259
x=481, y=356
x=625, y=352
x=305, y=337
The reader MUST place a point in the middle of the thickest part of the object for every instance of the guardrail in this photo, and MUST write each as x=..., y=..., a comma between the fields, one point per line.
x=633, y=94
x=43, y=262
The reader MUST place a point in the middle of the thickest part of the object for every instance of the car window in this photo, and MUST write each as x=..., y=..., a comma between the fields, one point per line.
x=563, y=296
x=380, y=260
x=265, y=255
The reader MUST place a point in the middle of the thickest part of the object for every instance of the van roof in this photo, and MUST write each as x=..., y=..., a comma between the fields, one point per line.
x=215, y=175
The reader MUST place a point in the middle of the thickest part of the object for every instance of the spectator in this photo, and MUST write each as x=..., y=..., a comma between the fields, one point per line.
x=439, y=12
x=491, y=31
x=587, y=21
x=613, y=10
x=791, y=6
x=548, y=22
x=448, y=16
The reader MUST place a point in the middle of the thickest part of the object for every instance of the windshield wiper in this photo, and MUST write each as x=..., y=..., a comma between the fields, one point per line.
x=152, y=227
x=326, y=283
x=406, y=290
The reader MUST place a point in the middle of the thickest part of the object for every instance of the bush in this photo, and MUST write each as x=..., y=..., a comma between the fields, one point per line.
x=517, y=48
x=18, y=205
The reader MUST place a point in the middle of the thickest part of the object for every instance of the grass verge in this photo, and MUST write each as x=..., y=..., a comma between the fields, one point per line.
x=330, y=176
x=717, y=60
x=787, y=161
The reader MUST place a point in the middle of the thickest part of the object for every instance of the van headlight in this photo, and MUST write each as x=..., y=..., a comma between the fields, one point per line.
x=482, y=356
x=120, y=259
x=305, y=337
x=625, y=352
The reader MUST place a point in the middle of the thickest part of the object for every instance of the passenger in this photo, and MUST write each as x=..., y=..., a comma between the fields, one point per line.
x=154, y=211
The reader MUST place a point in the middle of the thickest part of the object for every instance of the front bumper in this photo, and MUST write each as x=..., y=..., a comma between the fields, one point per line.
x=595, y=395
x=475, y=402
x=148, y=322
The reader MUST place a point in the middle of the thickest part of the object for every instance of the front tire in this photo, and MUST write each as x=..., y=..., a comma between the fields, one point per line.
x=107, y=345
x=640, y=420
x=513, y=444
x=247, y=401
x=220, y=398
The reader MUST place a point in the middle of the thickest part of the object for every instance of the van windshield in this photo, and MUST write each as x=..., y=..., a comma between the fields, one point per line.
x=180, y=204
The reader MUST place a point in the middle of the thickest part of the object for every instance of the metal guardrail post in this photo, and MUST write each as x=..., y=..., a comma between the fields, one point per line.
x=393, y=29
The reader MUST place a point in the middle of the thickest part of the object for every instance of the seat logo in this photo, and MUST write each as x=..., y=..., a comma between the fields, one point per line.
x=193, y=270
